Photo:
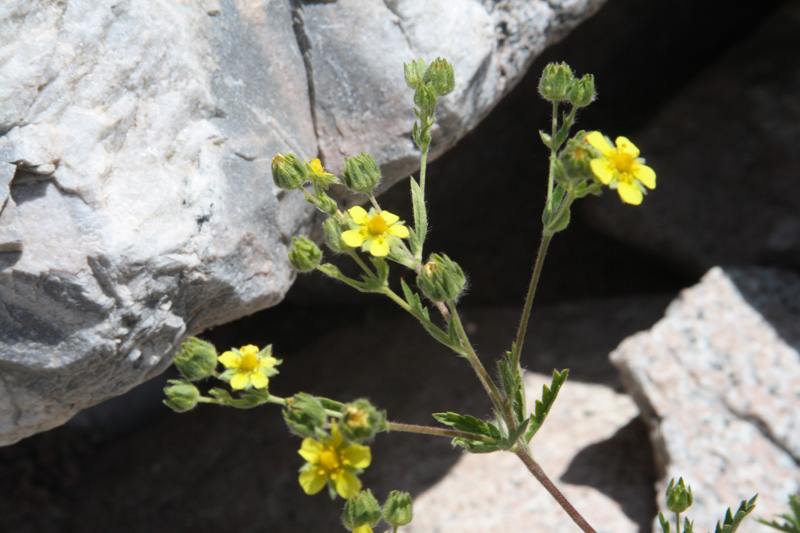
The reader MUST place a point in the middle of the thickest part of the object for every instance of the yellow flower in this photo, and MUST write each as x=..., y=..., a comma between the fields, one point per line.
x=318, y=175
x=376, y=231
x=621, y=168
x=331, y=462
x=248, y=367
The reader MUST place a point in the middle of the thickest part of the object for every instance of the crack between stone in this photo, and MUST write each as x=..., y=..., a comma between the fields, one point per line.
x=399, y=23
x=756, y=421
x=17, y=411
x=304, y=44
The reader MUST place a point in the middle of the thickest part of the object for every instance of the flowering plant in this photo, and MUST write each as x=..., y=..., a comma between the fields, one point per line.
x=336, y=435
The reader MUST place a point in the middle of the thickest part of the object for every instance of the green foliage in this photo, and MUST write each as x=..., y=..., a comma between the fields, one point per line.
x=732, y=522
x=791, y=521
x=544, y=405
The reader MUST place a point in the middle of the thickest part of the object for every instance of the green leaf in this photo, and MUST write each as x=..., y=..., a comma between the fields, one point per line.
x=508, y=442
x=792, y=523
x=664, y=522
x=382, y=267
x=546, y=139
x=420, y=216
x=511, y=381
x=248, y=399
x=732, y=521
x=544, y=405
x=468, y=423
x=452, y=334
x=474, y=446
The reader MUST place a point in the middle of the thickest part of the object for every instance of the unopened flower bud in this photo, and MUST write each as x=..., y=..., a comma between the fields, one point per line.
x=305, y=255
x=181, y=395
x=398, y=510
x=324, y=203
x=441, y=279
x=361, y=421
x=304, y=415
x=575, y=158
x=556, y=81
x=440, y=75
x=679, y=497
x=361, y=510
x=425, y=97
x=361, y=174
x=332, y=228
x=414, y=72
x=288, y=172
x=197, y=359
x=582, y=92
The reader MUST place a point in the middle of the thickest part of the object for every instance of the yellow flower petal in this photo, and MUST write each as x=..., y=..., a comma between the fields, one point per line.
x=398, y=231
x=363, y=529
x=358, y=214
x=357, y=456
x=378, y=247
x=267, y=362
x=390, y=218
x=644, y=174
x=598, y=140
x=347, y=485
x=629, y=192
x=353, y=238
x=603, y=169
x=311, y=481
x=240, y=381
x=625, y=145
x=310, y=450
x=230, y=359
x=336, y=436
x=259, y=380
x=249, y=349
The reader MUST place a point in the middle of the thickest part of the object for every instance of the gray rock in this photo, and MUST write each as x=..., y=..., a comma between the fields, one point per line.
x=725, y=151
x=718, y=381
x=141, y=208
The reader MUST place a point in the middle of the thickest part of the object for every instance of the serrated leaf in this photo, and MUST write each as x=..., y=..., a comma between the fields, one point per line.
x=664, y=522
x=732, y=522
x=412, y=298
x=466, y=423
x=473, y=446
x=513, y=436
x=543, y=406
x=792, y=523
x=420, y=215
x=518, y=404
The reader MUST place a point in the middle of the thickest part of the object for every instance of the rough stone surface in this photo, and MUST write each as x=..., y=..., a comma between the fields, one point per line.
x=718, y=382
x=725, y=151
x=140, y=134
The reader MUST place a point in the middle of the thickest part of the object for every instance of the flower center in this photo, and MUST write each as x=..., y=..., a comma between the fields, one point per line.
x=329, y=460
x=377, y=225
x=249, y=362
x=623, y=161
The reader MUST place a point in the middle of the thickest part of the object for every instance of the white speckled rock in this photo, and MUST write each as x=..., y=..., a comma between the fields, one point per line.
x=136, y=142
x=718, y=380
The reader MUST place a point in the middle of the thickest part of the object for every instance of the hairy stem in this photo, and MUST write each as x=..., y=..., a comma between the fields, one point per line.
x=540, y=476
x=526, y=310
x=441, y=432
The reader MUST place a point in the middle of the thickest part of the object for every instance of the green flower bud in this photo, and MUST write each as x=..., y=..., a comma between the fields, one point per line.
x=575, y=157
x=398, y=509
x=679, y=497
x=333, y=229
x=440, y=75
x=361, y=174
x=288, y=172
x=196, y=360
x=425, y=97
x=361, y=421
x=305, y=255
x=415, y=72
x=304, y=415
x=324, y=203
x=582, y=92
x=556, y=81
x=441, y=279
x=361, y=510
x=181, y=395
